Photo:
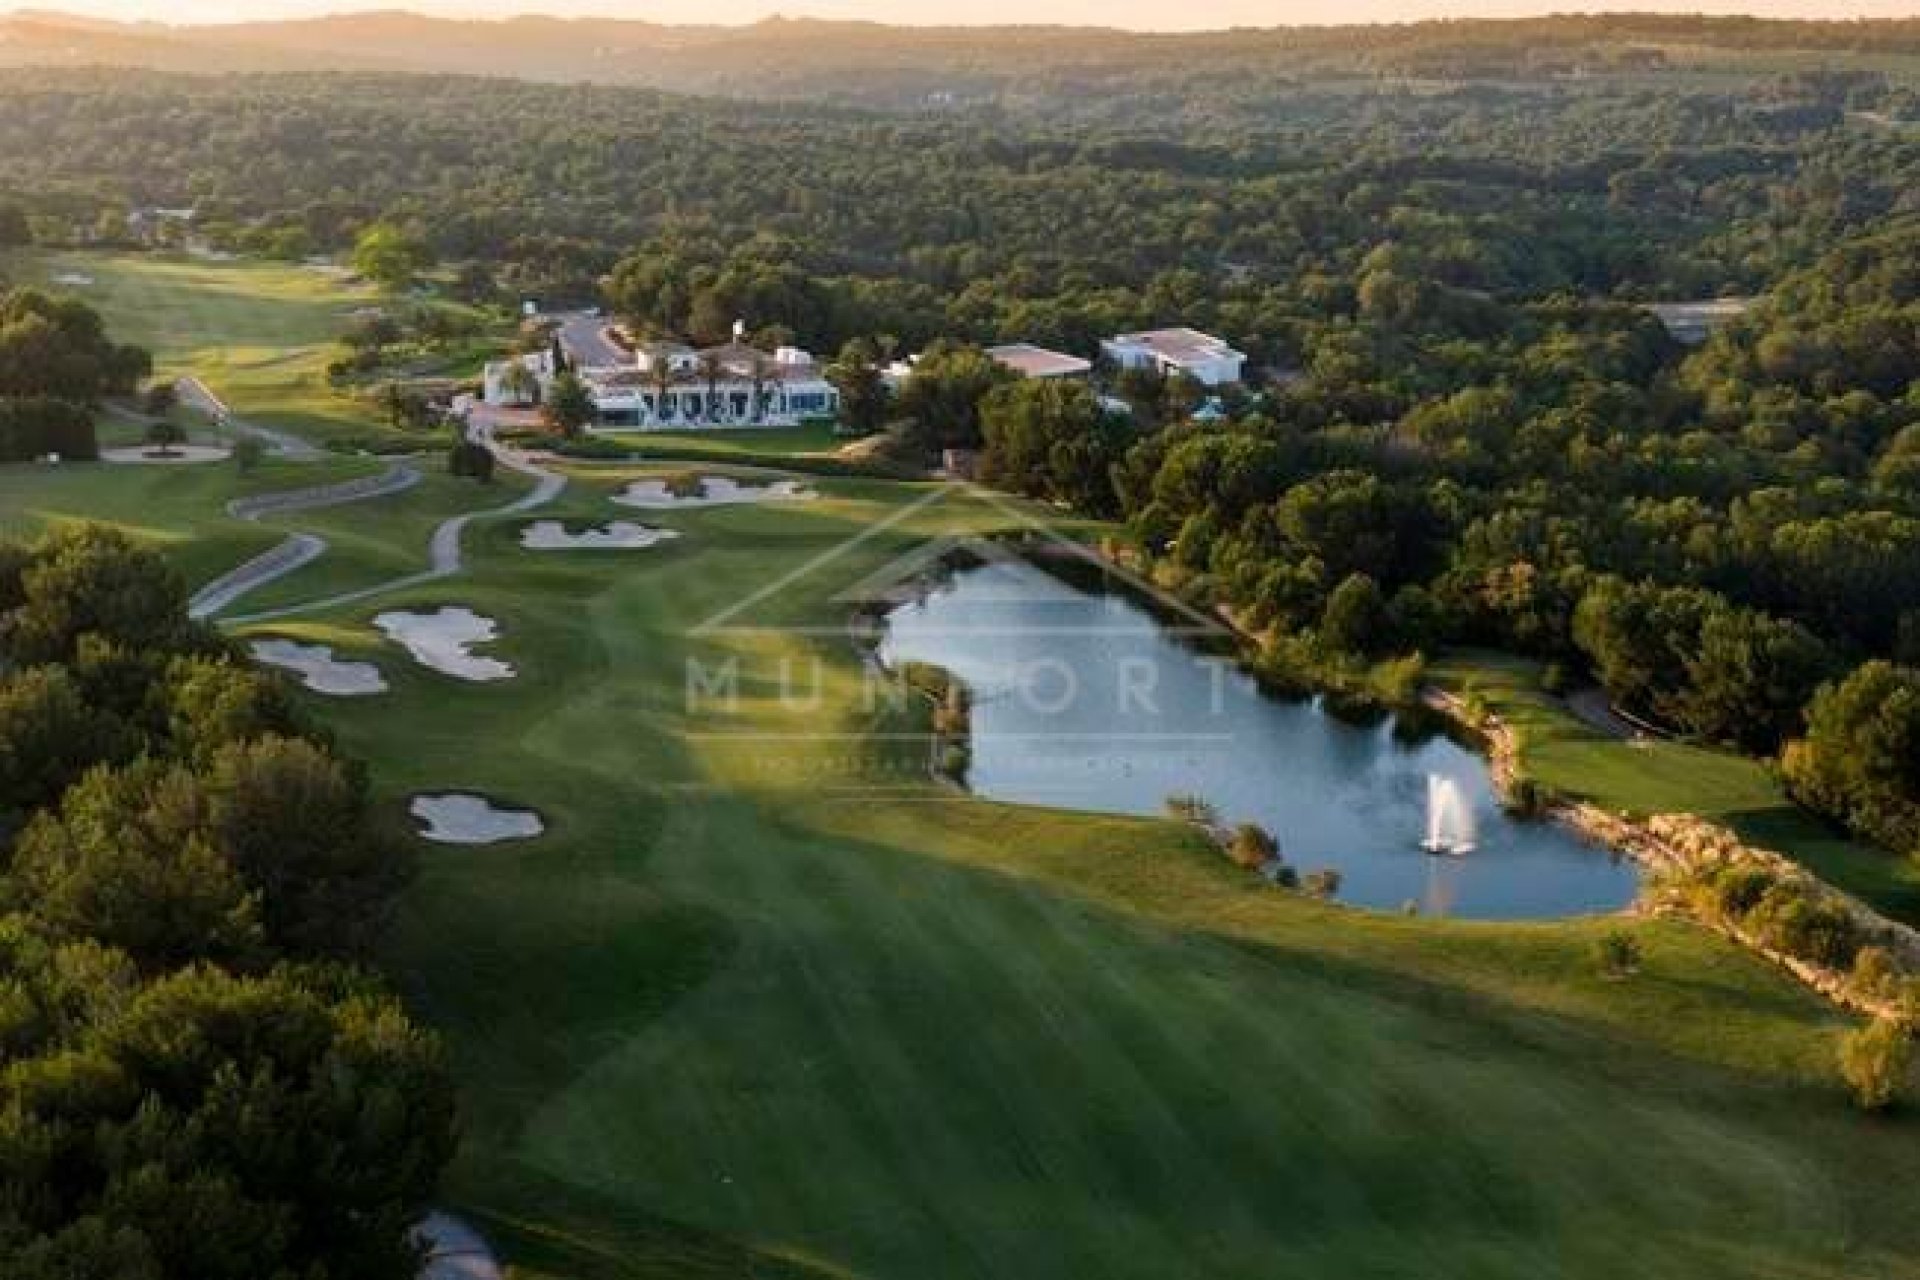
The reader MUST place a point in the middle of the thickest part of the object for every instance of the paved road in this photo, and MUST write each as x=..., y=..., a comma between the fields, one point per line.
x=196, y=394
x=588, y=345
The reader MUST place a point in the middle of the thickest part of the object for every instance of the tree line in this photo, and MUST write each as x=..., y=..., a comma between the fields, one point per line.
x=56, y=363
x=200, y=1076
x=1727, y=540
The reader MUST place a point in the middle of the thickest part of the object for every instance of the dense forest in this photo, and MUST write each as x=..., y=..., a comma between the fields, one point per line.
x=1463, y=426
x=198, y=1075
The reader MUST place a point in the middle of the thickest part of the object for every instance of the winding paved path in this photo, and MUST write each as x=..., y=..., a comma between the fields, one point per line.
x=196, y=394
x=444, y=554
x=298, y=549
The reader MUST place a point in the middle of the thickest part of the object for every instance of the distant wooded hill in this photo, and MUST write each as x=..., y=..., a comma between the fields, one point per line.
x=946, y=68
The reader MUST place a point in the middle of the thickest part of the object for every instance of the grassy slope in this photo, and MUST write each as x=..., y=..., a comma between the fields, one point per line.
x=180, y=509
x=259, y=333
x=1671, y=777
x=732, y=998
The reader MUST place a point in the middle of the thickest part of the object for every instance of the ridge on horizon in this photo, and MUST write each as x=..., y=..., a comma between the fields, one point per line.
x=88, y=20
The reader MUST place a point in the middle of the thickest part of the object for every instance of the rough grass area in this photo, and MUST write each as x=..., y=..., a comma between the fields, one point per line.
x=1674, y=777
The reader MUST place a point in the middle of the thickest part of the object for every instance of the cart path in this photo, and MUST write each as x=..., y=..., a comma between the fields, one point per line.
x=445, y=554
x=196, y=394
x=297, y=549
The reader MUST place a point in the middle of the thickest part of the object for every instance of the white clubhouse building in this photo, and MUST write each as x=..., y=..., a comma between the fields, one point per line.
x=669, y=385
x=1201, y=356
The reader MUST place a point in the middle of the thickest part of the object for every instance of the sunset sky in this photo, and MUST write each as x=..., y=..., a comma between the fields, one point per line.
x=1141, y=14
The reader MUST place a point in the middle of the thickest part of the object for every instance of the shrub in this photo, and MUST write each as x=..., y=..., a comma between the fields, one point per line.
x=248, y=454
x=1618, y=952
x=35, y=426
x=159, y=399
x=1874, y=975
x=1191, y=809
x=1324, y=883
x=164, y=434
x=953, y=717
x=1252, y=846
x=1797, y=919
x=955, y=760
x=1734, y=891
x=1399, y=680
x=1874, y=1061
x=1525, y=796
x=469, y=459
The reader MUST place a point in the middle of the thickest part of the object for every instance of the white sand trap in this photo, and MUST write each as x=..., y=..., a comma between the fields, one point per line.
x=551, y=535
x=73, y=279
x=173, y=455
x=715, y=491
x=443, y=640
x=319, y=670
x=456, y=818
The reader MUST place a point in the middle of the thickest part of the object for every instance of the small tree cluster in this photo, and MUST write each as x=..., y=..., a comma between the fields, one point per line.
x=1876, y=1061
x=471, y=460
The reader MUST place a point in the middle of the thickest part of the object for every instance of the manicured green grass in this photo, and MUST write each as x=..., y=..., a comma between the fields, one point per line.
x=259, y=333
x=179, y=509
x=1674, y=777
x=754, y=442
x=765, y=1001
x=778, y=1005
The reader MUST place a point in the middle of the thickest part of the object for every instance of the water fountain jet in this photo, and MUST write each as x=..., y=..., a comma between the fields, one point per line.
x=1449, y=821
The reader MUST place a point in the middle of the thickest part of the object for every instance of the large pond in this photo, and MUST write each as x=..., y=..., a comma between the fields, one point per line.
x=1086, y=701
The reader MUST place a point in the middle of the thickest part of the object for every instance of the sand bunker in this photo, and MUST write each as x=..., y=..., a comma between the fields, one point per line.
x=73, y=279
x=551, y=535
x=715, y=491
x=457, y=818
x=443, y=640
x=173, y=455
x=319, y=670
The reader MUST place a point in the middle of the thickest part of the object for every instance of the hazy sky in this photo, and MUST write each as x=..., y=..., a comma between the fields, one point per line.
x=1143, y=14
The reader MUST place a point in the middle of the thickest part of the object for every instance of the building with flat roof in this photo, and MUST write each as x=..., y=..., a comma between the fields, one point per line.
x=1201, y=356
x=1030, y=361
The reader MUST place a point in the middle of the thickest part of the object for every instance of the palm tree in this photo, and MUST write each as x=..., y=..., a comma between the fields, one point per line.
x=711, y=370
x=761, y=372
x=518, y=383
x=660, y=373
